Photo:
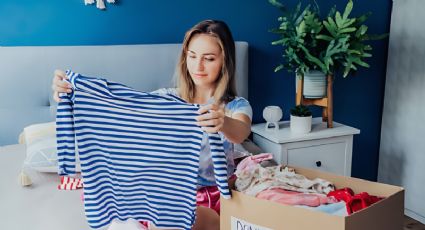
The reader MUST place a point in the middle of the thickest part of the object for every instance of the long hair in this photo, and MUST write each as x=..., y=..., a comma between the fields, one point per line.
x=225, y=84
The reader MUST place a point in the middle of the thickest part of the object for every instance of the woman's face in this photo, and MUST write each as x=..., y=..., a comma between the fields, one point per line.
x=204, y=60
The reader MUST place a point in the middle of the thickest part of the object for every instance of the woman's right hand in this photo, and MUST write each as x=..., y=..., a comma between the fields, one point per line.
x=60, y=86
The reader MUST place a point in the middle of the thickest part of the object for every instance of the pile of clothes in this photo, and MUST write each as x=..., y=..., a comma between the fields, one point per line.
x=282, y=184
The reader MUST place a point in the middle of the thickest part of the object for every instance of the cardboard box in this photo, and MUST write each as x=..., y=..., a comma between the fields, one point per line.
x=244, y=212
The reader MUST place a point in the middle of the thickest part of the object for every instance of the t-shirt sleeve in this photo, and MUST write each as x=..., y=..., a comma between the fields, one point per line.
x=239, y=105
x=165, y=91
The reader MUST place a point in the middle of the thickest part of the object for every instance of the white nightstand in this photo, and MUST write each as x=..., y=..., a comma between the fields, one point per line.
x=324, y=149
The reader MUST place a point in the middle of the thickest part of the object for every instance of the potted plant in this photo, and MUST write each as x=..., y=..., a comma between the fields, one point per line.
x=314, y=45
x=300, y=122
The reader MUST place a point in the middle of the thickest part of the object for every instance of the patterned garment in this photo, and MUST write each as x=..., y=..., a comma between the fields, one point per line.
x=252, y=178
x=139, y=153
x=69, y=183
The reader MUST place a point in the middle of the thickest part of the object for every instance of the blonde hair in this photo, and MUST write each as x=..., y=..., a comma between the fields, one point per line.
x=225, y=89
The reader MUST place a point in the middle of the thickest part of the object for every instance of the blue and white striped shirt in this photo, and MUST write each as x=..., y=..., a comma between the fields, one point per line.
x=206, y=167
x=139, y=152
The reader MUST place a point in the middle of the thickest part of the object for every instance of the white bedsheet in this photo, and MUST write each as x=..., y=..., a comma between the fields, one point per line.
x=39, y=207
x=42, y=206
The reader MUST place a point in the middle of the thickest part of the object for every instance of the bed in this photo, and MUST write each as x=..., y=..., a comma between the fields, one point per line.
x=25, y=99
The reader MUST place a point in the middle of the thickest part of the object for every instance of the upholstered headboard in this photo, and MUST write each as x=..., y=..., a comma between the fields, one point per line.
x=26, y=74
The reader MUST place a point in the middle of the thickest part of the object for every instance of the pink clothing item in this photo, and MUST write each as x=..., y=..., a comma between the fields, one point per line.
x=261, y=157
x=250, y=163
x=69, y=183
x=209, y=197
x=295, y=198
x=145, y=224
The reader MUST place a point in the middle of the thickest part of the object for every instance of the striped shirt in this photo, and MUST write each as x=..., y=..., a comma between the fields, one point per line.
x=206, y=167
x=139, y=152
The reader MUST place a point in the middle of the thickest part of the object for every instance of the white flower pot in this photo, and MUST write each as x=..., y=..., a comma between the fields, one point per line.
x=300, y=125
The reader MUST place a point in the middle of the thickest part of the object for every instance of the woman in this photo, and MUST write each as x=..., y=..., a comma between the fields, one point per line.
x=206, y=76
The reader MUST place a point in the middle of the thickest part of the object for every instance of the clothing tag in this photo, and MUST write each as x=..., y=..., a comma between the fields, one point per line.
x=238, y=224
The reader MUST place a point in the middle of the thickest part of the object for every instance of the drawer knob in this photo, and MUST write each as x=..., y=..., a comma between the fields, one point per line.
x=318, y=163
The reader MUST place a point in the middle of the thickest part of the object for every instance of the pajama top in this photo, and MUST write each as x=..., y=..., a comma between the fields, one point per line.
x=139, y=152
x=238, y=105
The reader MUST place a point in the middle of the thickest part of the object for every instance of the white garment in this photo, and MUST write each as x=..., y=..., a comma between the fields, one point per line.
x=130, y=224
x=258, y=179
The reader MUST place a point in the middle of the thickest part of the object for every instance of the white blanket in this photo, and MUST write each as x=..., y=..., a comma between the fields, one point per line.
x=39, y=207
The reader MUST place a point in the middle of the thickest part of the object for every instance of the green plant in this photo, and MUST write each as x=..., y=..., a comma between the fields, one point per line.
x=300, y=111
x=336, y=43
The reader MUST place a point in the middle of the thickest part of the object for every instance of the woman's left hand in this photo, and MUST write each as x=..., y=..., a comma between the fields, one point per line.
x=212, y=118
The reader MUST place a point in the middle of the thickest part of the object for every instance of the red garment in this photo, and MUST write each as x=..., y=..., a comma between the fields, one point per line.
x=206, y=196
x=70, y=183
x=144, y=223
x=209, y=197
x=353, y=202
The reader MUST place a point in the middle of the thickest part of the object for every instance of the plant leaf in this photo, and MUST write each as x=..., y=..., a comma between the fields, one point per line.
x=351, y=51
x=348, y=22
x=339, y=20
x=363, y=17
x=324, y=37
x=361, y=31
x=366, y=55
x=332, y=23
x=348, y=9
x=330, y=29
x=278, y=42
x=376, y=36
x=313, y=59
x=347, y=30
x=278, y=68
x=347, y=70
x=331, y=11
x=367, y=47
x=360, y=62
x=277, y=4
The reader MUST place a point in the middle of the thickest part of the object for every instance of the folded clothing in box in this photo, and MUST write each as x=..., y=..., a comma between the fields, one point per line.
x=245, y=211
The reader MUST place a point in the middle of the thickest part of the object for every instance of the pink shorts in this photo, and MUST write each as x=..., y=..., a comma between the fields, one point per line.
x=209, y=197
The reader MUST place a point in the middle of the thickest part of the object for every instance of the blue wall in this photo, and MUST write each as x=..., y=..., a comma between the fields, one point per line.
x=358, y=100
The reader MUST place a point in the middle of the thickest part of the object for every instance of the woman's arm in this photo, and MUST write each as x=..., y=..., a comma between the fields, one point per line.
x=236, y=128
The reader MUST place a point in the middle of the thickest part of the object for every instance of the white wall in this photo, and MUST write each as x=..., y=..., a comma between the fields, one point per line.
x=402, y=150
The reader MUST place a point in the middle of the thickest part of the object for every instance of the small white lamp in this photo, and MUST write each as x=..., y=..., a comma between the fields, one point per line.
x=272, y=114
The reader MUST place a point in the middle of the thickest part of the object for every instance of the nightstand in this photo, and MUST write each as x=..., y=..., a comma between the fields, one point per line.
x=326, y=149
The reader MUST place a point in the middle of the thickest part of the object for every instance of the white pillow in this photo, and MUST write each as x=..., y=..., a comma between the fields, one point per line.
x=40, y=141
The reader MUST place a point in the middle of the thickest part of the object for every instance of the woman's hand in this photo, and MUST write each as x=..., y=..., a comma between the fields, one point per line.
x=212, y=118
x=60, y=86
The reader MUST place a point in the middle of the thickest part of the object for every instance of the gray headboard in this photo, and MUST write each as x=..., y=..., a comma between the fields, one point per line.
x=26, y=74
